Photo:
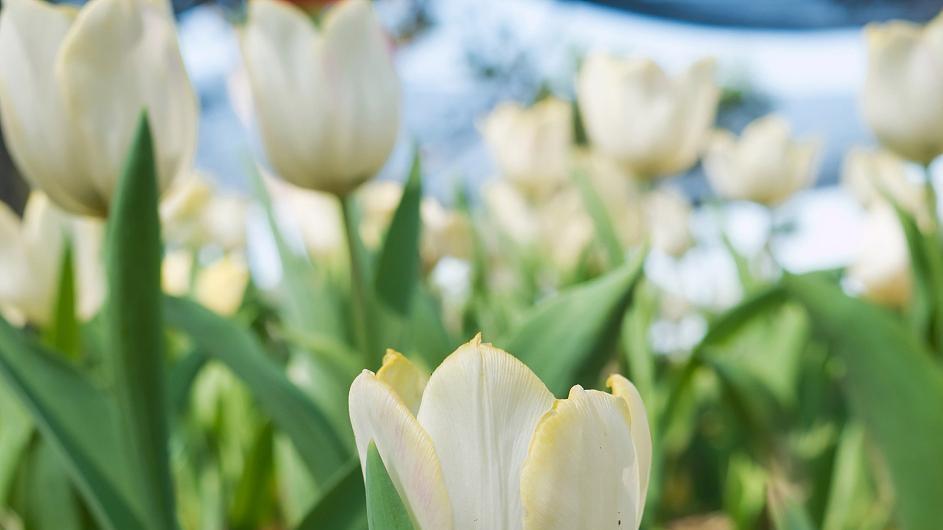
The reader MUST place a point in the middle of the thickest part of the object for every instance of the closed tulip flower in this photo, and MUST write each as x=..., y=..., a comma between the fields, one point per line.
x=668, y=215
x=765, y=165
x=31, y=254
x=326, y=99
x=653, y=124
x=531, y=146
x=195, y=213
x=484, y=444
x=876, y=176
x=219, y=286
x=902, y=99
x=882, y=270
x=72, y=85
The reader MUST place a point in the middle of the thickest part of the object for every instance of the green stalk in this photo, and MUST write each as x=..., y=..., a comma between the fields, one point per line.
x=363, y=323
x=931, y=199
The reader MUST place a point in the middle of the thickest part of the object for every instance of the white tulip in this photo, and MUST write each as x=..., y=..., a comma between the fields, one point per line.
x=219, y=286
x=882, y=268
x=653, y=124
x=668, y=214
x=326, y=99
x=195, y=213
x=484, y=444
x=31, y=254
x=531, y=146
x=765, y=165
x=313, y=216
x=509, y=211
x=875, y=176
x=902, y=99
x=72, y=86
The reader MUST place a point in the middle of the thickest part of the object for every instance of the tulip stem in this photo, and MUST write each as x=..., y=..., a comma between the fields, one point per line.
x=362, y=323
x=931, y=198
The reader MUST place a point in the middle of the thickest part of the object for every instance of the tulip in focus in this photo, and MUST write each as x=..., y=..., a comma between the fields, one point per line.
x=531, y=146
x=876, y=176
x=326, y=98
x=902, y=99
x=652, y=124
x=882, y=269
x=72, y=86
x=765, y=165
x=668, y=214
x=31, y=254
x=484, y=444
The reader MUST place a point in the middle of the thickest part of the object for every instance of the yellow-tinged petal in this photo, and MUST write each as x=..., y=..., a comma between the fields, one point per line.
x=13, y=267
x=581, y=471
x=480, y=408
x=222, y=284
x=378, y=415
x=119, y=58
x=640, y=429
x=404, y=377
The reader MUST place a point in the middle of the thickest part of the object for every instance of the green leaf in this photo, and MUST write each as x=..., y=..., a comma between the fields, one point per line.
x=79, y=421
x=398, y=266
x=254, y=495
x=180, y=379
x=926, y=259
x=16, y=430
x=605, y=232
x=788, y=513
x=385, y=509
x=343, y=506
x=568, y=336
x=322, y=450
x=64, y=334
x=894, y=387
x=50, y=502
x=135, y=346
x=852, y=501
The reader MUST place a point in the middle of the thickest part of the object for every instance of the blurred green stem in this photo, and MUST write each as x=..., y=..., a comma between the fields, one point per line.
x=362, y=325
x=931, y=198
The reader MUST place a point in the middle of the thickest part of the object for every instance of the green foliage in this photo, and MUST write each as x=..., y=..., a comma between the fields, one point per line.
x=385, y=509
x=398, y=265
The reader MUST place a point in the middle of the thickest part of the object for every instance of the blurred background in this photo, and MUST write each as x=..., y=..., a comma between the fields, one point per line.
x=803, y=59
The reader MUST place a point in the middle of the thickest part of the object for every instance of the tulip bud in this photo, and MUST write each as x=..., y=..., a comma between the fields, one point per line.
x=31, y=254
x=765, y=165
x=876, y=176
x=902, y=99
x=531, y=146
x=882, y=269
x=194, y=213
x=326, y=100
x=72, y=86
x=652, y=124
x=668, y=214
x=219, y=286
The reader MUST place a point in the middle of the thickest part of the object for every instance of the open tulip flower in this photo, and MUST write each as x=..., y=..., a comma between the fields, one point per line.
x=72, y=85
x=326, y=99
x=484, y=445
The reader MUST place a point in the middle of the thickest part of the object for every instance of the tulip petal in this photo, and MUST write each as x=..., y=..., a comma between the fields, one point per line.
x=405, y=378
x=581, y=470
x=13, y=268
x=480, y=408
x=640, y=428
x=35, y=127
x=378, y=415
x=121, y=57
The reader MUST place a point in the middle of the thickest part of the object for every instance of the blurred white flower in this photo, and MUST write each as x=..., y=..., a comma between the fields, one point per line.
x=327, y=99
x=445, y=232
x=72, y=86
x=874, y=175
x=669, y=215
x=313, y=216
x=902, y=99
x=882, y=268
x=484, y=444
x=509, y=212
x=531, y=146
x=31, y=254
x=765, y=165
x=195, y=213
x=653, y=124
x=218, y=286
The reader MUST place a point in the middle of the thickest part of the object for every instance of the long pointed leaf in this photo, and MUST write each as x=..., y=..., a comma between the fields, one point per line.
x=397, y=272
x=135, y=333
